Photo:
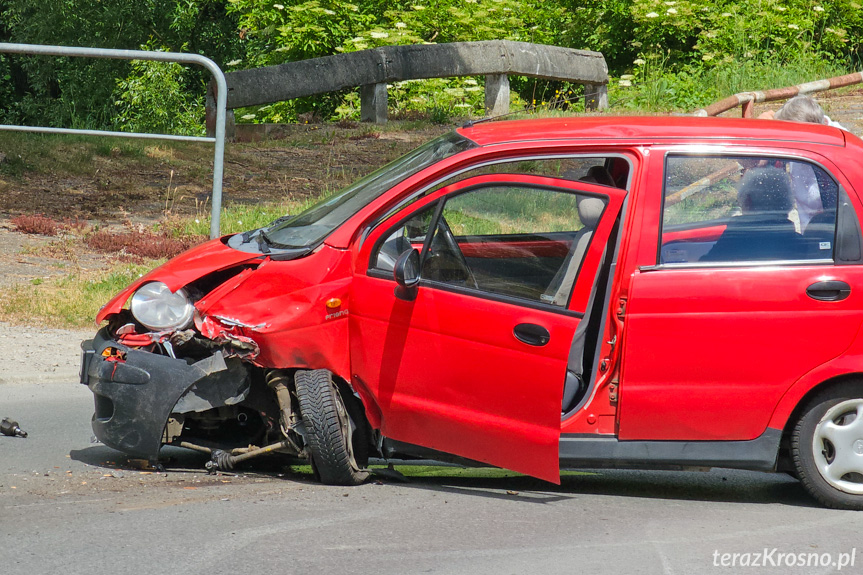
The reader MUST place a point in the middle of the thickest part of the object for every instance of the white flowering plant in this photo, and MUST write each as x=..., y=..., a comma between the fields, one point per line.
x=697, y=43
x=719, y=33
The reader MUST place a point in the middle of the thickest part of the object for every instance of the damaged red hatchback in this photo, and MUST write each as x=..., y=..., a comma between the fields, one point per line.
x=594, y=292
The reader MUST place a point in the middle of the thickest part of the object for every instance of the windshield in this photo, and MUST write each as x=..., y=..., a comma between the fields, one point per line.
x=315, y=223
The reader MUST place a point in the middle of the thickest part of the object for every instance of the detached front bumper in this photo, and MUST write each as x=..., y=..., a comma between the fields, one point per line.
x=135, y=395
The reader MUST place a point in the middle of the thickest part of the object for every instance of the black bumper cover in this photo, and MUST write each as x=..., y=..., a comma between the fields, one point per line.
x=135, y=398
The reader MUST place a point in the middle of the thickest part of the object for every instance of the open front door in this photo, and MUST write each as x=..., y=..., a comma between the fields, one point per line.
x=473, y=361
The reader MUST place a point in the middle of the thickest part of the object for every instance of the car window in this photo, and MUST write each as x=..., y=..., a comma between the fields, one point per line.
x=722, y=209
x=604, y=170
x=411, y=234
x=510, y=240
x=316, y=222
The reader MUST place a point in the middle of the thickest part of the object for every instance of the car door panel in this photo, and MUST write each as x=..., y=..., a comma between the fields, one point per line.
x=709, y=353
x=446, y=370
x=712, y=347
x=498, y=374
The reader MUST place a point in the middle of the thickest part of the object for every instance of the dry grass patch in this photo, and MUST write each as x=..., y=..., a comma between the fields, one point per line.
x=68, y=302
x=146, y=245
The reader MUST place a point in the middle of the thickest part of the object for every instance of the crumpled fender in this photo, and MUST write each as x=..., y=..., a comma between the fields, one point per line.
x=199, y=261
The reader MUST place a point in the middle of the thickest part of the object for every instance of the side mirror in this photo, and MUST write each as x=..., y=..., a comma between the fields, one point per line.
x=407, y=274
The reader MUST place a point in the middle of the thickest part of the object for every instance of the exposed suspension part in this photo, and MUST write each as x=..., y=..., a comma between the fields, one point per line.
x=277, y=380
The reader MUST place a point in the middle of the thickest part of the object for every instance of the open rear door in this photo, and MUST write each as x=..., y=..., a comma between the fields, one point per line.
x=473, y=362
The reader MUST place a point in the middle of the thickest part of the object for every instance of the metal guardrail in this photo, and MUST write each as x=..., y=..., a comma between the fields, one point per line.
x=748, y=99
x=221, y=98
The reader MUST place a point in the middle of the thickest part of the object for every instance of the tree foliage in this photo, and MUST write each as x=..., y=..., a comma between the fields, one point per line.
x=153, y=98
x=676, y=52
x=78, y=92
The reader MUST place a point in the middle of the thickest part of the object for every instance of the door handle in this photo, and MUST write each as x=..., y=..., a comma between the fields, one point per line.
x=531, y=334
x=831, y=290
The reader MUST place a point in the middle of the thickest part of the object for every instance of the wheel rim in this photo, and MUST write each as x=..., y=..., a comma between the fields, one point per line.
x=837, y=446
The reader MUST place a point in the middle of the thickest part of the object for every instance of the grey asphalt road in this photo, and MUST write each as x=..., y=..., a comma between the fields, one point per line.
x=72, y=507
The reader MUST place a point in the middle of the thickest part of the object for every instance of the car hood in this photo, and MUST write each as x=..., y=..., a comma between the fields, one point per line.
x=206, y=258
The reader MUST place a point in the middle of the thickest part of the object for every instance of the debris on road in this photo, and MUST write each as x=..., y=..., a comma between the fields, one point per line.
x=10, y=428
x=390, y=473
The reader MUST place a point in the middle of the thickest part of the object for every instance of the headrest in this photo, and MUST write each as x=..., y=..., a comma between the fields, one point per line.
x=589, y=211
x=601, y=176
x=765, y=190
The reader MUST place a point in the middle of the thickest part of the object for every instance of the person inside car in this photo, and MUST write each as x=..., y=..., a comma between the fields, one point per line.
x=763, y=230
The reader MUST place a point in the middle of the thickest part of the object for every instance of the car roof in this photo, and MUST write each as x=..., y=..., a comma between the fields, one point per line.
x=650, y=128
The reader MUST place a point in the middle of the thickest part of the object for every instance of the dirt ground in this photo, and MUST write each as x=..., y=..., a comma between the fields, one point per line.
x=116, y=188
x=105, y=182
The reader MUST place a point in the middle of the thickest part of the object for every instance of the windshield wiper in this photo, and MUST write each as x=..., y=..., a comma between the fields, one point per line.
x=264, y=242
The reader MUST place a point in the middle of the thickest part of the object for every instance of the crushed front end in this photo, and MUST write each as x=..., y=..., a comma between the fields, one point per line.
x=202, y=353
x=143, y=395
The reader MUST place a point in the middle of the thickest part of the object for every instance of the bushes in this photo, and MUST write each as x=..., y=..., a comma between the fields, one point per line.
x=37, y=224
x=674, y=54
x=140, y=244
x=45, y=226
x=729, y=31
x=77, y=92
x=295, y=29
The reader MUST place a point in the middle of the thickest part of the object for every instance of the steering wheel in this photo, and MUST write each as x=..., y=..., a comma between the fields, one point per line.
x=452, y=247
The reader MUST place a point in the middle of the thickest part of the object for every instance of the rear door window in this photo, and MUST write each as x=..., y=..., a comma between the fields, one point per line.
x=727, y=209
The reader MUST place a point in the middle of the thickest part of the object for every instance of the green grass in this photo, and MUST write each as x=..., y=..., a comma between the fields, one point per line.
x=752, y=75
x=234, y=219
x=656, y=89
x=70, y=301
x=238, y=218
x=71, y=154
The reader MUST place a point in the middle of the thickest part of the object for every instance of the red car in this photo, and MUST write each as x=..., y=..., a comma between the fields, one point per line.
x=582, y=292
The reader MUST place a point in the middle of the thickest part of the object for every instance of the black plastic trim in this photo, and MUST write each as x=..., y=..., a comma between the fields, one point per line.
x=584, y=450
x=848, y=238
x=830, y=290
x=587, y=450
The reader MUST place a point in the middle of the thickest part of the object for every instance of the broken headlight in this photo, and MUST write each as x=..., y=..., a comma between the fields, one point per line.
x=159, y=309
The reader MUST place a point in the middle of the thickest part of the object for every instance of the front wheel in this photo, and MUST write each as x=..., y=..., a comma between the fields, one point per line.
x=335, y=441
x=827, y=447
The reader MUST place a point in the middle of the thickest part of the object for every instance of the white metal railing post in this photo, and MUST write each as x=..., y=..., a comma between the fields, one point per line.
x=221, y=101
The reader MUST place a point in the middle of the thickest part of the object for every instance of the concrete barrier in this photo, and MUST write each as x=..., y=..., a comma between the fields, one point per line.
x=373, y=69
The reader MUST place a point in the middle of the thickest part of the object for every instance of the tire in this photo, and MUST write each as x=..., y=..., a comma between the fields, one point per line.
x=827, y=447
x=335, y=441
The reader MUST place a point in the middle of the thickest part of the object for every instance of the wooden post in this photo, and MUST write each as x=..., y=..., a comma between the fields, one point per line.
x=373, y=103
